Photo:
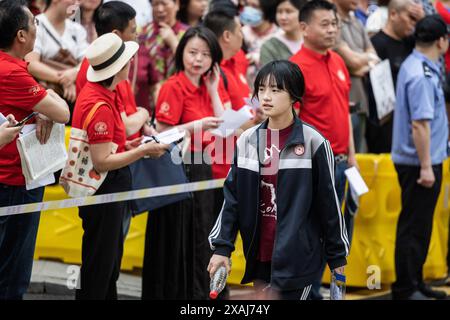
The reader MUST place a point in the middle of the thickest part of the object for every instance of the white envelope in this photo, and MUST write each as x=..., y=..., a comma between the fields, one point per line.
x=356, y=181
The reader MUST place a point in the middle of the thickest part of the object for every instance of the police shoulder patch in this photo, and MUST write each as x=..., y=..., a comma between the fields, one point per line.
x=427, y=70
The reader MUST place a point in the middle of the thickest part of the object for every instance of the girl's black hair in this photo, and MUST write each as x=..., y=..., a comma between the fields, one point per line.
x=205, y=34
x=283, y=74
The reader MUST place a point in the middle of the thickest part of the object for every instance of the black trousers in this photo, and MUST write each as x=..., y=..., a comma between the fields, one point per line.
x=102, y=246
x=379, y=137
x=413, y=229
x=177, y=251
x=262, y=287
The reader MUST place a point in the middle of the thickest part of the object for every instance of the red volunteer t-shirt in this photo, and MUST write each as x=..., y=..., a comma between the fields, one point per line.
x=125, y=96
x=82, y=76
x=276, y=141
x=237, y=89
x=19, y=94
x=126, y=102
x=180, y=101
x=106, y=125
x=242, y=63
x=237, y=86
x=326, y=99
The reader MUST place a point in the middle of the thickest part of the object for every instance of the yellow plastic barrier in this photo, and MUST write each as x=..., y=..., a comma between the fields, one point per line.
x=60, y=234
x=373, y=243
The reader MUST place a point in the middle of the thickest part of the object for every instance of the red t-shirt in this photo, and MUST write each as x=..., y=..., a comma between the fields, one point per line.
x=180, y=101
x=242, y=63
x=106, y=125
x=126, y=102
x=445, y=14
x=237, y=86
x=326, y=99
x=82, y=76
x=20, y=93
x=125, y=97
x=276, y=139
x=237, y=89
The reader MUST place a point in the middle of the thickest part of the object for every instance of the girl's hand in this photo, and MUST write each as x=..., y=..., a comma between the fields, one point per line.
x=212, y=79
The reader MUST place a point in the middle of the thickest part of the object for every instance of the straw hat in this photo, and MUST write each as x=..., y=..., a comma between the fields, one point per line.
x=107, y=55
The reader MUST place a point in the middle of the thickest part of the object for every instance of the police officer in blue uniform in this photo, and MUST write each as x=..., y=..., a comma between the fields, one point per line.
x=419, y=147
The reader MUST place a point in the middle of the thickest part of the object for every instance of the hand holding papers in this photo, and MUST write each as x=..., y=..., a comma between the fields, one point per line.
x=166, y=137
x=356, y=181
x=40, y=161
x=232, y=120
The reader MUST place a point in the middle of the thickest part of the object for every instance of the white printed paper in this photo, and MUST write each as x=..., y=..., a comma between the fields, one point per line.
x=167, y=137
x=232, y=120
x=356, y=181
x=383, y=88
x=247, y=111
x=42, y=182
x=252, y=103
x=41, y=161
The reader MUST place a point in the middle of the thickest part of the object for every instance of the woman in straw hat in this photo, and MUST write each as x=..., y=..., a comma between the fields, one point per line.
x=109, y=58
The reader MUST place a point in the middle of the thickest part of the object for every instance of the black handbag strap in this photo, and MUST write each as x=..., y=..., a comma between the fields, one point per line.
x=52, y=36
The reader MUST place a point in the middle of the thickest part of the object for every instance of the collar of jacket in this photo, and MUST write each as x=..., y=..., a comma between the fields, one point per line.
x=296, y=136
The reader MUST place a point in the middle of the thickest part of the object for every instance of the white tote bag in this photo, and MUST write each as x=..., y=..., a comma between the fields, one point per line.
x=79, y=178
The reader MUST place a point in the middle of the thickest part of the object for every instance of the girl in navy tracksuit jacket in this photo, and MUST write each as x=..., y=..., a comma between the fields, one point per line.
x=280, y=195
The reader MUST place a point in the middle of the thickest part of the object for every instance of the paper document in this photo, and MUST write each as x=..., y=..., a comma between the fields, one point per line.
x=356, y=181
x=383, y=88
x=232, y=120
x=252, y=103
x=41, y=161
x=2, y=118
x=42, y=182
x=167, y=137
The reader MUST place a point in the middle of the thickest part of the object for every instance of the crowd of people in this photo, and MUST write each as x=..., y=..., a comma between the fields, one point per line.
x=122, y=70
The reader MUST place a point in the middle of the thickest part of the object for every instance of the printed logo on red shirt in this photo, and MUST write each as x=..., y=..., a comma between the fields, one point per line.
x=341, y=75
x=165, y=108
x=101, y=128
x=34, y=90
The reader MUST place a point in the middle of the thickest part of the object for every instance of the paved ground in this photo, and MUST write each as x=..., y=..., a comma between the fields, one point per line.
x=54, y=281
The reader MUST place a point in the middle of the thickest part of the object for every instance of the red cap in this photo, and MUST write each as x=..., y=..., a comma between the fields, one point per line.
x=213, y=294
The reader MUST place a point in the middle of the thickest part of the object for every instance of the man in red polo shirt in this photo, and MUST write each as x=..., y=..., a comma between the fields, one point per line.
x=326, y=101
x=327, y=87
x=20, y=95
